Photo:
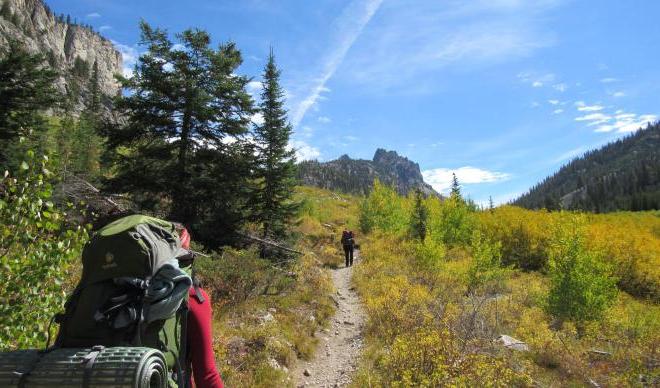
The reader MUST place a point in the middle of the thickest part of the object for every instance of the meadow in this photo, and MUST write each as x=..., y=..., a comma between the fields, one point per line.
x=579, y=292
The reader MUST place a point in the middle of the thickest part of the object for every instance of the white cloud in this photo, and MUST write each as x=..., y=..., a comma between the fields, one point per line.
x=351, y=138
x=258, y=118
x=324, y=119
x=350, y=24
x=589, y=108
x=105, y=28
x=627, y=122
x=93, y=15
x=594, y=117
x=561, y=87
x=553, y=102
x=129, y=56
x=620, y=122
x=618, y=94
x=254, y=87
x=304, y=151
x=535, y=104
x=608, y=80
x=441, y=178
x=537, y=84
x=557, y=111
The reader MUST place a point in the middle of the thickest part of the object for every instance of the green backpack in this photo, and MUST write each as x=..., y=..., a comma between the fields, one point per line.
x=132, y=292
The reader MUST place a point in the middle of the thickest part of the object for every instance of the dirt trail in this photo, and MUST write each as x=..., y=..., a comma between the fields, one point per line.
x=339, y=348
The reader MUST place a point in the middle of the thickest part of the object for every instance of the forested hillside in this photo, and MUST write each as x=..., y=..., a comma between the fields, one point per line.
x=623, y=175
x=356, y=176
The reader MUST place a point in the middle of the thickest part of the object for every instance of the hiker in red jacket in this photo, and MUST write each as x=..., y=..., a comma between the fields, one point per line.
x=200, y=338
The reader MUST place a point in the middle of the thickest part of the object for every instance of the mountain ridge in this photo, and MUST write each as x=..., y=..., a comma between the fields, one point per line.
x=622, y=175
x=356, y=176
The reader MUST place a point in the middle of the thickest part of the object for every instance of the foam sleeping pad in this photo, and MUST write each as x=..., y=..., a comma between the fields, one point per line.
x=120, y=367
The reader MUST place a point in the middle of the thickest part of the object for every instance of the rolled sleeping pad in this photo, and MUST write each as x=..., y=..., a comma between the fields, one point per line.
x=121, y=367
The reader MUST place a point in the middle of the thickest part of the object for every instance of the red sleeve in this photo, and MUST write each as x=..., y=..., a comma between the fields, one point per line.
x=200, y=342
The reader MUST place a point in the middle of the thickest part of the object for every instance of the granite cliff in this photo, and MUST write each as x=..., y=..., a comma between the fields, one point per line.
x=76, y=51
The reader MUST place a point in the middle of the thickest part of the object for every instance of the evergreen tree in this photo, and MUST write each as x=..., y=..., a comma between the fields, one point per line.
x=276, y=168
x=26, y=90
x=171, y=153
x=419, y=217
x=455, y=187
x=491, y=205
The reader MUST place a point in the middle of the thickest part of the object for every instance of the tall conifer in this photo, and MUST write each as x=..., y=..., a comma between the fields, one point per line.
x=276, y=169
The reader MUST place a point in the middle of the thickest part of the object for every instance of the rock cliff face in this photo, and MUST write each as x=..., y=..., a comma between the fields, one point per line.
x=74, y=50
x=356, y=176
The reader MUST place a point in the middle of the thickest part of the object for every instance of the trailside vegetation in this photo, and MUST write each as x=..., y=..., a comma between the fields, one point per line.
x=37, y=249
x=579, y=291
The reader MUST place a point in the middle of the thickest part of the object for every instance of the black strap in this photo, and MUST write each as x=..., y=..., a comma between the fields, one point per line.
x=183, y=347
x=88, y=360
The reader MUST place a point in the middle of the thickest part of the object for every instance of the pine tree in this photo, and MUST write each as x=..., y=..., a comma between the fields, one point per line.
x=491, y=205
x=419, y=217
x=26, y=90
x=276, y=169
x=182, y=106
x=455, y=187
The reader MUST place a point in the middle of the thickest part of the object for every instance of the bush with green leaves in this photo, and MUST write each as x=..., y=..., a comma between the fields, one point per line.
x=582, y=284
x=37, y=248
x=451, y=221
x=384, y=210
x=486, y=272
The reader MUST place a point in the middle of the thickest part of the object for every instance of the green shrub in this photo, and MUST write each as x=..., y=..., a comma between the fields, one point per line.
x=486, y=271
x=384, y=210
x=451, y=221
x=582, y=286
x=37, y=248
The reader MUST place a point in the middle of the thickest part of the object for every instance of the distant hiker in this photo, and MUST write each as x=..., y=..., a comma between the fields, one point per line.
x=200, y=337
x=348, y=242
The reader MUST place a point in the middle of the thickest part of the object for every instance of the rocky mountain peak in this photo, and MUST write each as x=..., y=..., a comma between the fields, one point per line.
x=356, y=176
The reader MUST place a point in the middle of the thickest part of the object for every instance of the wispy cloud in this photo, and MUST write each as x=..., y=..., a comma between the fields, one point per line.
x=409, y=42
x=618, y=94
x=582, y=107
x=350, y=25
x=93, y=15
x=618, y=122
x=557, y=111
x=560, y=87
x=608, y=80
x=105, y=28
x=324, y=119
x=441, y=178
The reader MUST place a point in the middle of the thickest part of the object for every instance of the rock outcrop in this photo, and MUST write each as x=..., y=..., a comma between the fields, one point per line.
x=356, y=176
x=74, y=50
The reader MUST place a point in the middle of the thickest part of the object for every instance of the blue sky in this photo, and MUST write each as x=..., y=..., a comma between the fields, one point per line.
x=502, y=92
